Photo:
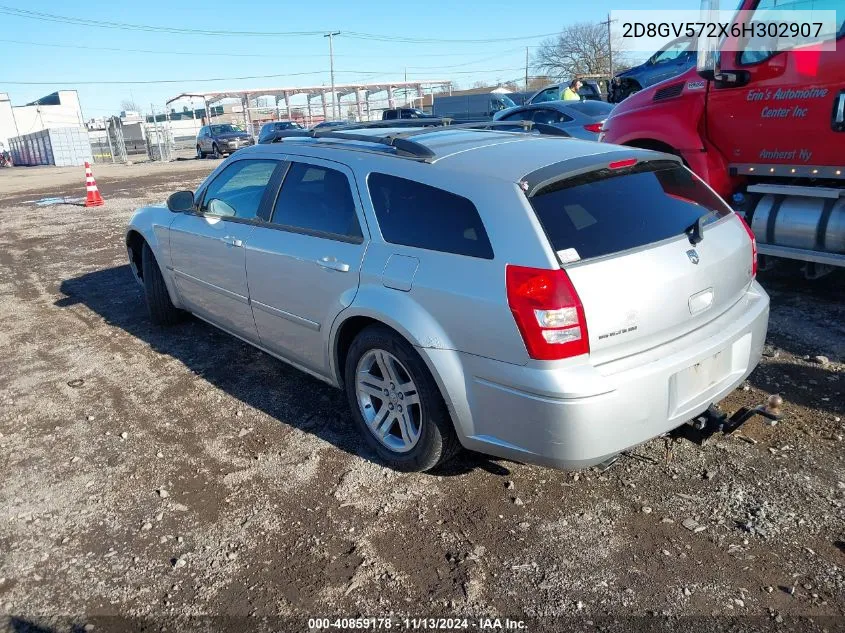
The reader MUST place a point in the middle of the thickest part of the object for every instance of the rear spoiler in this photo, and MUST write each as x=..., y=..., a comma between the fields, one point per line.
x=626, y=160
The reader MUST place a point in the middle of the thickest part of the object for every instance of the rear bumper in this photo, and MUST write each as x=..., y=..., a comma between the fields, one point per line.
x=576, y=416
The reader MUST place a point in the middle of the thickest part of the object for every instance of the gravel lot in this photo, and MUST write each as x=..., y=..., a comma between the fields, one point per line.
x=177, y=472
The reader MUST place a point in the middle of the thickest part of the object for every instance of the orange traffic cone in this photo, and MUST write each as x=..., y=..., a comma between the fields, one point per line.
x=94, y=199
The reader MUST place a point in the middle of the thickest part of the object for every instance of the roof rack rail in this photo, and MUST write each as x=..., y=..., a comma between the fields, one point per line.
x=401, y=141
x=402, y=145
x=527, y=126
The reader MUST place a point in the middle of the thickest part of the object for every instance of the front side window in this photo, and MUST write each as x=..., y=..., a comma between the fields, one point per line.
x=413, y=214
x=671, y=52
x=236, y=192
x=549, y=94
x=317, y=199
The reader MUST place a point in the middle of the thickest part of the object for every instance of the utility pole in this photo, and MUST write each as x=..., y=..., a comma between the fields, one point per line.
x=608, y=22
x=331, y=65
x=526, y=69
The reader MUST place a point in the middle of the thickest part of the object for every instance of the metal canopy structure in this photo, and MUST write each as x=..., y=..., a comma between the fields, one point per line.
x=362, y=91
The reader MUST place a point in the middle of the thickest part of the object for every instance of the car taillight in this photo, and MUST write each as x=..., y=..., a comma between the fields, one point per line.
x=753, y=245
x=593, y=127
x=620, y=164
x=547, y=312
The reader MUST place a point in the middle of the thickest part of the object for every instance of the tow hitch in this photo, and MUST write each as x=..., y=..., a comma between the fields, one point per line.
x=713, y=421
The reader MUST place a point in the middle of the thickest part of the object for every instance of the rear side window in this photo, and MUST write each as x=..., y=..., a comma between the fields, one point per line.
x=609, y=211
x=549, y=117
x=413, y=214
x=317, y=199
x=522, y=115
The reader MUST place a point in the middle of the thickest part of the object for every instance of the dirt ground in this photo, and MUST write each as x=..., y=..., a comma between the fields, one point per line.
x=159, y=473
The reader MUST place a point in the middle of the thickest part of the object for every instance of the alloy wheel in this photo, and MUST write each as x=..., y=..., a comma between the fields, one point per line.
x=388, y=400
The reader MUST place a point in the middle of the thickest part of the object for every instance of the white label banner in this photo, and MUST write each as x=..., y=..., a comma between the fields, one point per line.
x=762, y=30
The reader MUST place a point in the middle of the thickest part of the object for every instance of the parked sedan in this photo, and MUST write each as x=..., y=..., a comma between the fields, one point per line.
x=221, y=138
x=269, y=131
x=581, y=119
x=589, y=91
x=324, y=124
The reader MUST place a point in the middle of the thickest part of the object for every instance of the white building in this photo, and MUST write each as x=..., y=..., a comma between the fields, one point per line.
x=57, y=110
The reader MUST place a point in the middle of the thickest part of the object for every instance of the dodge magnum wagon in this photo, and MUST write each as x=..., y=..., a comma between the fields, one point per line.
x=538, y=298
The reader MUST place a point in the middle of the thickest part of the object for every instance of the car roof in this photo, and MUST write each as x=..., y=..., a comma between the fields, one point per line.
x=487, y=153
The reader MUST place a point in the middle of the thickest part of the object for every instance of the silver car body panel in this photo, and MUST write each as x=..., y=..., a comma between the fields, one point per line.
x=699, y=327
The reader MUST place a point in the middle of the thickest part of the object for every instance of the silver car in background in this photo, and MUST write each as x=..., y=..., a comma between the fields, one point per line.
x=542, y=299
x=580, y=119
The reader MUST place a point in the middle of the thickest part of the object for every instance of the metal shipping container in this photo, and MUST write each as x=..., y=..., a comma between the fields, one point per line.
x=63, y=147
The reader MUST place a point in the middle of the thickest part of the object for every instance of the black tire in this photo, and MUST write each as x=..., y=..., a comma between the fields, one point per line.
x=437, y=442
x=200, y=153
x=160, y=307
x=215, y=152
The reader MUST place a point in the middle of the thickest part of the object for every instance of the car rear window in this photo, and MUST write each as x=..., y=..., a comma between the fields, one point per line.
x=608, y=211
x=414, y=214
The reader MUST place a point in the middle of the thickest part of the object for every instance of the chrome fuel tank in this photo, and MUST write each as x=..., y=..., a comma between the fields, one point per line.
x=800, y=222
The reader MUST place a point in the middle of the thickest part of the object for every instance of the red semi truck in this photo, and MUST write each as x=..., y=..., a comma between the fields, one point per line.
x=766, y=131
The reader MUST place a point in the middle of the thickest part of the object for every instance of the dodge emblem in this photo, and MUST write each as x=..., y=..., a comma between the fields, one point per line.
x=693, y=256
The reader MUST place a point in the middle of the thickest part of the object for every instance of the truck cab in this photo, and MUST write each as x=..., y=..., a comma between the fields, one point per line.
x=766, y=130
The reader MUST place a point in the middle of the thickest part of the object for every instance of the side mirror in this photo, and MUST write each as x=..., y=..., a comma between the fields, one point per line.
x=181, y=201
x=732, y=79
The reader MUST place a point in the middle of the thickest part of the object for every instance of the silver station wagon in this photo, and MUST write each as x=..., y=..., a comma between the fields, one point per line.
x=537, y=298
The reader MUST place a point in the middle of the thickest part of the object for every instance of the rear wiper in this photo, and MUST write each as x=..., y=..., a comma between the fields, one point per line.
x=695, y=231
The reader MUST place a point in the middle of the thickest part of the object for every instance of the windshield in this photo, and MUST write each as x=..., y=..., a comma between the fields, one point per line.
x=225, y=129
x=507, y=101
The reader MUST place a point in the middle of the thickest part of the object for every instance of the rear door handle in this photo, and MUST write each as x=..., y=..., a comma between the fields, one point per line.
x=331, y=263
x=232, y=241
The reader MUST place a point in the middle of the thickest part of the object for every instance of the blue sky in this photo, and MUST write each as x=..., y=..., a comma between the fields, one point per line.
x=192, y=57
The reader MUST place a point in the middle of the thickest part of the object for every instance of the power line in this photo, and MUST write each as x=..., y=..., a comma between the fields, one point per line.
x=64, y=19
x=152, y=52
x=207, y=79
x=256, y=55
x=235, y=54
x=430, y=40
x=154, y=81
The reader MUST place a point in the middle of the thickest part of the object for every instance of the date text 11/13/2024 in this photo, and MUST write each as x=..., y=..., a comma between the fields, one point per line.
x=417, y=624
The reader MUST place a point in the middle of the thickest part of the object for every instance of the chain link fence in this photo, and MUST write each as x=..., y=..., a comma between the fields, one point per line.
x=118, y=143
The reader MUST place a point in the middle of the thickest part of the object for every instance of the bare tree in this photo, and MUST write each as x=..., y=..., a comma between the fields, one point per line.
x=480, y=84
x=129, y=105
x=580, y=48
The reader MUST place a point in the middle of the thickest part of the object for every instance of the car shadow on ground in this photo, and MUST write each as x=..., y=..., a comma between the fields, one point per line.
x=801, y=385
x=247, y=374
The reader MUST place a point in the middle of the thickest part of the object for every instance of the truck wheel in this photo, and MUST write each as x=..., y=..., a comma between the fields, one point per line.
x=161, y=308
x=396, y=403
x=200, y=153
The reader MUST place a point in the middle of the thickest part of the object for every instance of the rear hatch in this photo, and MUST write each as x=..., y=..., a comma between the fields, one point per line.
x=652, y=252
